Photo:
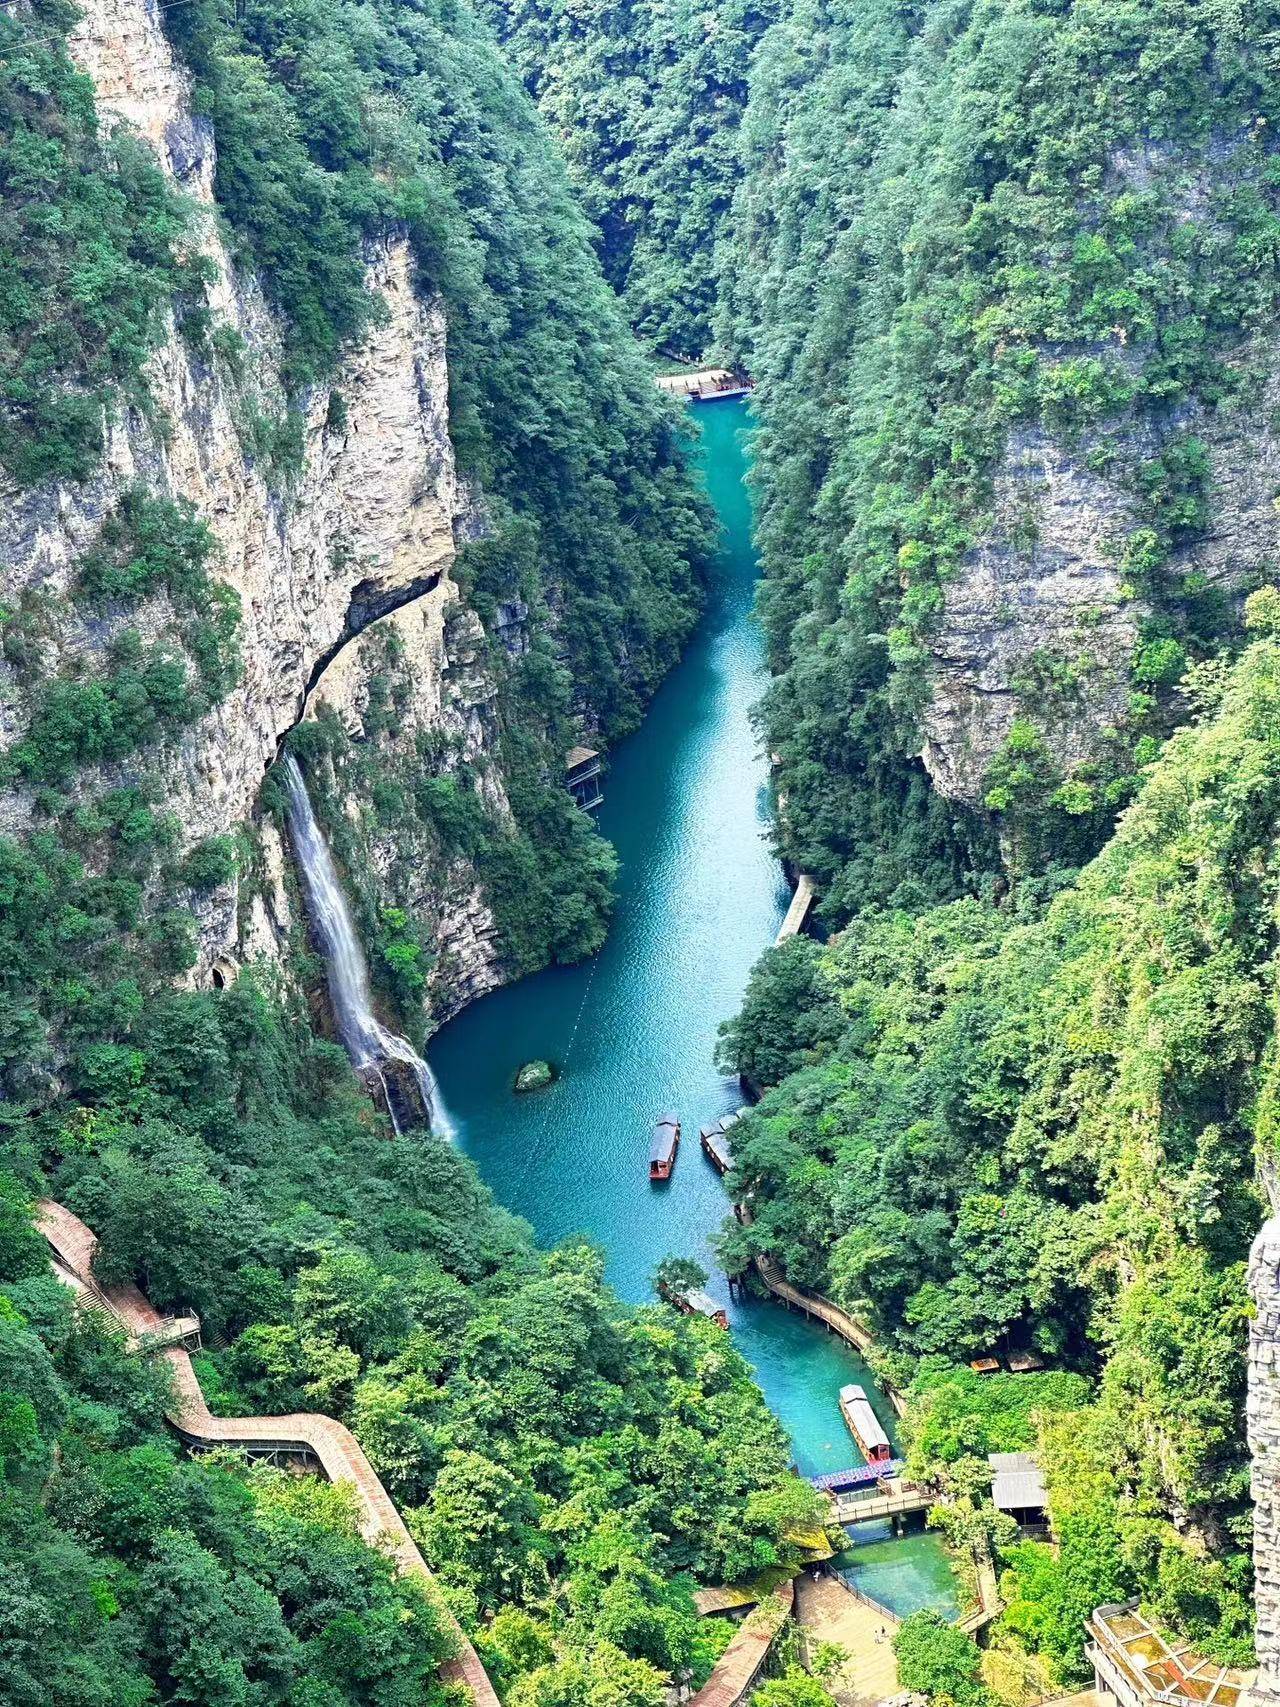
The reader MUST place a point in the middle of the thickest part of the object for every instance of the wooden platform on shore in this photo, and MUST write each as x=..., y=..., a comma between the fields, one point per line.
x=798, y=911
x=702, y=385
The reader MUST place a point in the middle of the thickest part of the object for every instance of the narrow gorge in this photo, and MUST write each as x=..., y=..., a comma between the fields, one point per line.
x=349, y=517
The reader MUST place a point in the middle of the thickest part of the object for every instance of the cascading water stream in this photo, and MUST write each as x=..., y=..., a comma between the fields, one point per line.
x=366, y=1040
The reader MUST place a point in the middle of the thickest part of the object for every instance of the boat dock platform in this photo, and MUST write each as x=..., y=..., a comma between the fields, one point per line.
x=704, y=384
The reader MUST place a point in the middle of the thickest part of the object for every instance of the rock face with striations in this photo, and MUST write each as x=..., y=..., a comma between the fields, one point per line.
x=1044, y=582
x=365, y=526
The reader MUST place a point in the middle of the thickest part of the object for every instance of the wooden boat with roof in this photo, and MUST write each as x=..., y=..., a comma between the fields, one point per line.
x=715, y=1141
x=864, y=1424
x=662, y=1151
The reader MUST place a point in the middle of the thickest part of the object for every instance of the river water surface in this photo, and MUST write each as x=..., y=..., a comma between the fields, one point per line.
x=633, y=1031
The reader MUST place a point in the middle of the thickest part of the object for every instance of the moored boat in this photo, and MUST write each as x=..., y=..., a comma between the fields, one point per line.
x=715, y=1140
x=695, y=1302
x=715, y=1146
x=662, y=1152
x=864, y=1425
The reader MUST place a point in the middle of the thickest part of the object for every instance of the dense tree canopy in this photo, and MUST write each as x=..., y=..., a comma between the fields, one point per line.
x=995, y=1134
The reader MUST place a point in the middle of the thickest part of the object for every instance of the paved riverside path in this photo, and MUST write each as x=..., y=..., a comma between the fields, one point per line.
x=829, y=1612
x=325, y=1439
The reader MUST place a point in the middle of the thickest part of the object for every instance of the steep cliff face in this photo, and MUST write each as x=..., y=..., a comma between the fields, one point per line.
x=1061, y=595
x=363, y=523
x=1048, y=582
x=1007, y=292
x=1048, y=579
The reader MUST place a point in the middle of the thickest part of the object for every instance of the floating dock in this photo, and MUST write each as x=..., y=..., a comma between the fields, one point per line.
x=704, y=385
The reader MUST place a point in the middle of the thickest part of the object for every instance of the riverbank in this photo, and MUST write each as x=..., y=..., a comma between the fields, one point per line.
x=633, y=1032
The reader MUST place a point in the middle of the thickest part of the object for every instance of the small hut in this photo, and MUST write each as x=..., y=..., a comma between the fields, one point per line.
x=1017, y=1487
x=698, y=1303
x=582, y=777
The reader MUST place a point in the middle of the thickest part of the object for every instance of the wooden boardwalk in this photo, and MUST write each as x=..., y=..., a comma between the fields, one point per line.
x=740, y=1665
x=798, y=911
x=703, y=383
x=322, y=1439
x=868, y=1508
x=849, y=1328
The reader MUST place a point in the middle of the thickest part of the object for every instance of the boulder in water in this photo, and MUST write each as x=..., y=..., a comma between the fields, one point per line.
x=535, y=1076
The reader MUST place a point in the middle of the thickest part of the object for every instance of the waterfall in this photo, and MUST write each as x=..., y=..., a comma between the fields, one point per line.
x=366, y=1040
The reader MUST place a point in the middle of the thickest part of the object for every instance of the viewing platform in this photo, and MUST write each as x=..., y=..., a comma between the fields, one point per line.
x=309, y=1436
x=582, y=777
x=1137, y=1665
x=704, y=384
x=798, y=911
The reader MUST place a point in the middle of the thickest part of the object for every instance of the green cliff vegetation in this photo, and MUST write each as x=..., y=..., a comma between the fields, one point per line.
x=646, y=103
x=91, y=241
x=958, y=223
x=566, y=1464
x=337, y=122
x=933, y=231
x=988, y=1132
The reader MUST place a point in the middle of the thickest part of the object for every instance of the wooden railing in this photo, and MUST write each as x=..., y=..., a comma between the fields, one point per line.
x=849, y=1328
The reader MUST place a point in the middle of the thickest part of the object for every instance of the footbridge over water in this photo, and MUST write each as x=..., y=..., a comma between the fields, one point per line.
x=890, y=1500
x=317, y=1439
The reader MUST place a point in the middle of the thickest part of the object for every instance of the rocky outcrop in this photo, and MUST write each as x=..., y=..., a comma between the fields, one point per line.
x=365, y=525
x=1045, y=582
x=438, y=649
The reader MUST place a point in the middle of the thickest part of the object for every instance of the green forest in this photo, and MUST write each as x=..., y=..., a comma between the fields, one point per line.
x=988, y=1132
x=1016, y=1094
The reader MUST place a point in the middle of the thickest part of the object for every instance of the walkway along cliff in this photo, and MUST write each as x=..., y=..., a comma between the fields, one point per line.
x=306, y=1434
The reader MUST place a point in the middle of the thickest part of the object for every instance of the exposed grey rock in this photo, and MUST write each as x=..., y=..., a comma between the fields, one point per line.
x=371, y=521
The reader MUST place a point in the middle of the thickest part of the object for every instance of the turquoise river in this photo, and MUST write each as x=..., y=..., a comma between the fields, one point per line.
x=633, y=1032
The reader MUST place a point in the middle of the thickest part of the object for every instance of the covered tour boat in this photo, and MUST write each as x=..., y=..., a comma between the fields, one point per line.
x=864, y=1425
x=698, y=1303
x=662, y=1152
x=715, y=1142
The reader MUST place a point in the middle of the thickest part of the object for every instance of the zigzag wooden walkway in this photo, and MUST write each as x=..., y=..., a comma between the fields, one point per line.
x=330, y=1443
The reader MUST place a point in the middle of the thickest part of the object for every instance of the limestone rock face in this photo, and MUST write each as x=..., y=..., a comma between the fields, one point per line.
x=365, y=524
x=1060, y=593
x=1263, y=1414
x=1046, y=579
x=1045, y=576
x=437, y=644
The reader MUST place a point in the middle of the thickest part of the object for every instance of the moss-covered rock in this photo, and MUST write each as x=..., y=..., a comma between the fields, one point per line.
x=535, y=1076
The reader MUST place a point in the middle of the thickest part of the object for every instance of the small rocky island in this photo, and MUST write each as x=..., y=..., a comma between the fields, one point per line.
x=534, y=1076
